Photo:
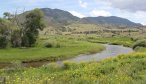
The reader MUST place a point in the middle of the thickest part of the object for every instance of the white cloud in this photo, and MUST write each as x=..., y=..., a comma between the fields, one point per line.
x=83, y=4
x=138, y=16
x=77, y=14
x=129, y=5
x=96, y=13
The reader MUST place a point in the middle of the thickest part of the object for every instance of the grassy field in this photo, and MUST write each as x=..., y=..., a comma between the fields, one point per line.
x=126, y=41
x=124, y=69
x=140, y=49
x=62, y=47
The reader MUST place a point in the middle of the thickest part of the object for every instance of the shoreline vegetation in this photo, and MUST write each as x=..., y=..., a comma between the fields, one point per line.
x=61, y=48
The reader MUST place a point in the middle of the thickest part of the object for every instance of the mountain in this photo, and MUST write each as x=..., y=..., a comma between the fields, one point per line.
x=112, y=20
x=58, y=17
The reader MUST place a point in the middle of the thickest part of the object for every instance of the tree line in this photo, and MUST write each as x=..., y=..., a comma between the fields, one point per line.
x=20, y=34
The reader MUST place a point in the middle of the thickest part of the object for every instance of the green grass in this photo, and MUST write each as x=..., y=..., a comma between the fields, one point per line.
x=68, y=48
x=125, y=69
x=140, y=49
x=126, y=41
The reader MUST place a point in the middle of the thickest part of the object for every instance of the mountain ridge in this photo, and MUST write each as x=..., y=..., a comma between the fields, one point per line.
x=112, y=20
x=58, y=18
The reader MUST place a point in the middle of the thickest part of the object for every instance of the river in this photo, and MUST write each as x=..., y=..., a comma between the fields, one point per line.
x=110, y=51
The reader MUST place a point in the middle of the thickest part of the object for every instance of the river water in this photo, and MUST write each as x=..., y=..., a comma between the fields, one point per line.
x=111, y=51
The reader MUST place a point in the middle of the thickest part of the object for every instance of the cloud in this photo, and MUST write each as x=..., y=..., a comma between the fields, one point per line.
x=77, y=14
x=30, y=2
x=132, y=5
x=138, y=16
x=96, y=13
x=133, y=10
x=83, y=4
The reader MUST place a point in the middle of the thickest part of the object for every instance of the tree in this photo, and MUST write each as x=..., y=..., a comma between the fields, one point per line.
x=8, y=15
x=5, y=32
x=16, y=38
x=34, y=23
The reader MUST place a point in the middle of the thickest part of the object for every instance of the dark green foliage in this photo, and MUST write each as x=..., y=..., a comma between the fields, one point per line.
x=5, y=32
x=5, y=27
x=3, y=42
x=48, y=45
x=33, y=24
x=139, y=43
x=16, y=38
x=52, y=45
x=24, y=35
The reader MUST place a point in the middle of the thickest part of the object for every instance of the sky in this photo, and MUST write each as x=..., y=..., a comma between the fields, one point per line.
x=134, y=10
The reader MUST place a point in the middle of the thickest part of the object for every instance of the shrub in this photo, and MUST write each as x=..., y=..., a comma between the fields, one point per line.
x=57, y=45
x=139, y=43
x=52, y=44
x=3, y=41
x=48, y=45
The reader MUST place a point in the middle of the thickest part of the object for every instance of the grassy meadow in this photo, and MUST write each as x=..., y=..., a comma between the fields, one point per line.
x=124, y=69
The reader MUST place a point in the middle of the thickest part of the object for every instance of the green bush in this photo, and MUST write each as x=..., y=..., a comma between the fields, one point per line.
x=52, y=44
x=57, y=45
x=48, y=45
x=3, y=42
x=139, y=43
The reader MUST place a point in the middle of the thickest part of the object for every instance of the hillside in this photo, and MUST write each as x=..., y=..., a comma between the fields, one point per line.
x=57, y=17
x=112, y=20
x=61, y=17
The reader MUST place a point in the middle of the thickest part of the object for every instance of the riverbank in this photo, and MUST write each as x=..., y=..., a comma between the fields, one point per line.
x=65, y=47
x=62, y=47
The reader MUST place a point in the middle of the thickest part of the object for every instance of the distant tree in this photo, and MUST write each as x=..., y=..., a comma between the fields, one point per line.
x=34, y=23
x=7, y=15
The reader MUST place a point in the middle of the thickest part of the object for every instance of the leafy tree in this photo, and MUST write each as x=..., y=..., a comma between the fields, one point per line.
x=16, y=38
x=33, y=24
x=5, y=32
x=3, y=42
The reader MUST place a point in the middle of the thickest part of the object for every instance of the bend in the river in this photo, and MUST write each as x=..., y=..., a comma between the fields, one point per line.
x=110, y=51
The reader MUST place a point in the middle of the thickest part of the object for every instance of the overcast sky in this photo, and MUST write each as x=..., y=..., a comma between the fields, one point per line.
x=134, y=10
